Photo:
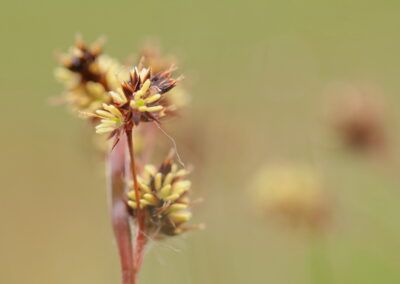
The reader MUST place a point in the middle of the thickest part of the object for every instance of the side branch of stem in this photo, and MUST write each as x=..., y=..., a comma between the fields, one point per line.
x=119, y=211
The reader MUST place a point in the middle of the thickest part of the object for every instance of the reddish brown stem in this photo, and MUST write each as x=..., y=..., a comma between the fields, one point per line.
x=140, y=239
x=119, y=210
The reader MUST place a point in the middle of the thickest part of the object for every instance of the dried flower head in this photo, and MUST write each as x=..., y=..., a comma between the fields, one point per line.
x=138, y=99
x=357, y=114
x=164, y=199
x=87, y=75
x=293, y=194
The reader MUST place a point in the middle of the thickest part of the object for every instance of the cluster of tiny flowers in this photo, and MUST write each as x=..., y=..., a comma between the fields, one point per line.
x=138, y=99
x=163, y=199
x=88, y=76
x=116, y=106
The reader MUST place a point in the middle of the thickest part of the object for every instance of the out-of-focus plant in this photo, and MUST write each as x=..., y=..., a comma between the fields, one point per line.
x=295, y=196
x=146, y=201
x=88, y=75
x=151, y=55
x=357, y=113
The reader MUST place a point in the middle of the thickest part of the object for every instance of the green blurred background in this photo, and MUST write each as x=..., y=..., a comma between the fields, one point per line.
x=257, y=73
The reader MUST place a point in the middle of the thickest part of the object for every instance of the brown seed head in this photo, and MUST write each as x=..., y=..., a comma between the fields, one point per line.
x=358, y=118
x=87, y=76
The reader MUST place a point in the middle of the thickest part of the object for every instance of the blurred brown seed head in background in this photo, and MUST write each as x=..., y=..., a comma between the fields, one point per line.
x=87, y=76
x=357, y=113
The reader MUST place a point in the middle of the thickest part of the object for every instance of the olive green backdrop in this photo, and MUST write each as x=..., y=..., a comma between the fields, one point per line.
x=257, y=72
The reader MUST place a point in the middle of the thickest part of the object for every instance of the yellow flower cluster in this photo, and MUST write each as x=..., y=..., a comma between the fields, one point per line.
x=141, y=100
x=164, y=198
x=294, y=194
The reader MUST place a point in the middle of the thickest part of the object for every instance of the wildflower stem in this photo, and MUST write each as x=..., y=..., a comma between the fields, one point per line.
x=119, y=211
x=319, y=262
x=140, y=239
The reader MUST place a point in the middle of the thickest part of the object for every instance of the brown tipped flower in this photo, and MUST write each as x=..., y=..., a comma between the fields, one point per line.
x=294, y=195
x=164, y=199
x=357, y=116
x=139, y=99
x=82, y=60
x=87, y=75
